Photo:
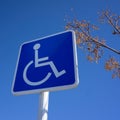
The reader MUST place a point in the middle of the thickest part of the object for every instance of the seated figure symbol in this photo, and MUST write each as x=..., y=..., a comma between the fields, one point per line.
x=39, y=62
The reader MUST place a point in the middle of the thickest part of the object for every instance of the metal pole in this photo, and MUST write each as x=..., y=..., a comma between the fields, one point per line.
x=43, y=106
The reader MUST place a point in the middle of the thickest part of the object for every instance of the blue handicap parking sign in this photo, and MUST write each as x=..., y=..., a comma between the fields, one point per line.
x=47, y=64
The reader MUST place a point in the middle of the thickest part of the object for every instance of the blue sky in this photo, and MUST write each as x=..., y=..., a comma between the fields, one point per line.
x=96, y=97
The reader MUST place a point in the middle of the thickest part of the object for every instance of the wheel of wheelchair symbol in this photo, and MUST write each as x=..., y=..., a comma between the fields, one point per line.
x=25, y=77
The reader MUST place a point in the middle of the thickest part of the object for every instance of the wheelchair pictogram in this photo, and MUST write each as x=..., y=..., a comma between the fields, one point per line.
x=37, y=64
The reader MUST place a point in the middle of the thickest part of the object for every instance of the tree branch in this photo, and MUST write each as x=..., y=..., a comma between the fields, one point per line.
x=106, y=46
x=110, y=22
x=77, y=26
x=100, y=43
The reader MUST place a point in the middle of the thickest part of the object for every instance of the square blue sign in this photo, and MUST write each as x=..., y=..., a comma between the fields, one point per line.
x=47, y=64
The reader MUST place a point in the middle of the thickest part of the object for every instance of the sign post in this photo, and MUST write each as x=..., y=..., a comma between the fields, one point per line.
x=43, y=106
x=44, y=65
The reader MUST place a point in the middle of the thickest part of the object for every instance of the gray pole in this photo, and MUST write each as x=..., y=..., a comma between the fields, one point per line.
x=43, y=106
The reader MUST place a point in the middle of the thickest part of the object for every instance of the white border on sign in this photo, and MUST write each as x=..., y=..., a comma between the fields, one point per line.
x=51, y=88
